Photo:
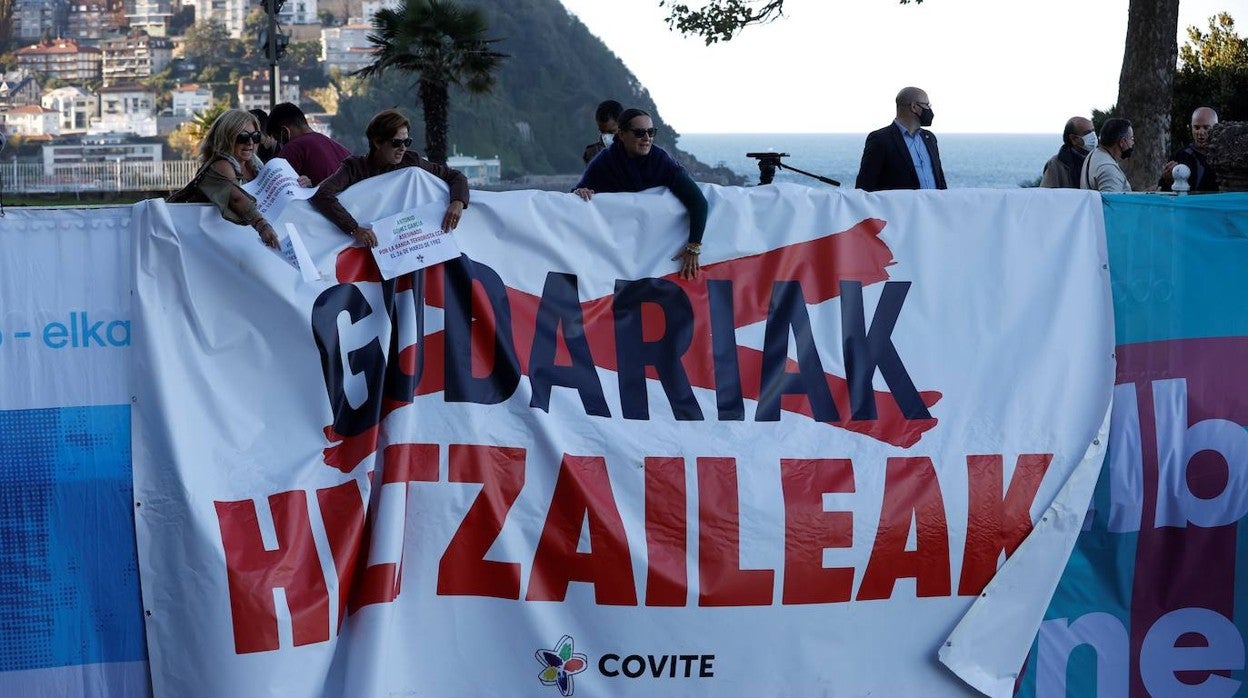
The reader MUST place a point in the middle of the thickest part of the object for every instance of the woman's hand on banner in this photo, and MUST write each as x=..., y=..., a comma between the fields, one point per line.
x=453, y=213
x=365, y=236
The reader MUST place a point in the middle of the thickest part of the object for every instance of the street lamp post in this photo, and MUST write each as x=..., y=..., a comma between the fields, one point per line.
x=274, y=44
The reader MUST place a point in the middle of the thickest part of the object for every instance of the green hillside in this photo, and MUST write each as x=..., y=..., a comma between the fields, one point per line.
x=539, y=117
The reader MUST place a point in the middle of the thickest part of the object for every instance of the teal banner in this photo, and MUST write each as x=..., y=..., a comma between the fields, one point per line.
x=1153, y=601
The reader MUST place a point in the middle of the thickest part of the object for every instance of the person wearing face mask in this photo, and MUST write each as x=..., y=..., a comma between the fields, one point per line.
x=606, y=116
x=634, y=163
x=1101, y=169
x=1203, y=177
x=1062, y=170
x=311, y=154
x=904, y=154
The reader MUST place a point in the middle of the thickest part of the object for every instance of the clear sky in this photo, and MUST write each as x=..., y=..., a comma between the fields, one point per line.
x=834, y=66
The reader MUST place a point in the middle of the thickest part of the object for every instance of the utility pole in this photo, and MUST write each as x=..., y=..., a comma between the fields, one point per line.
x=274, y=44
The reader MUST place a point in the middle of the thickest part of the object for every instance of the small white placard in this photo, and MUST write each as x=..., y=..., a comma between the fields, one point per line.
x=276, y=185
x=412, y=240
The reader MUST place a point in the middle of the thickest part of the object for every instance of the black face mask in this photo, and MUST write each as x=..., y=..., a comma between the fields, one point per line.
x=925, y=117
x=1127, y=153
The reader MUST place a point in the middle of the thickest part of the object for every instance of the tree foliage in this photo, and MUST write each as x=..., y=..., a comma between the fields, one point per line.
x=1220, y=48
x=442, y=44
x=209, y=47
x=540, y=114
x=1213, y=72
x=185, y=140
x=720, y=20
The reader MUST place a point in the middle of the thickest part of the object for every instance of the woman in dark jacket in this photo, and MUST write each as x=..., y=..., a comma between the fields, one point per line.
x=634, y=163
x=388, y=144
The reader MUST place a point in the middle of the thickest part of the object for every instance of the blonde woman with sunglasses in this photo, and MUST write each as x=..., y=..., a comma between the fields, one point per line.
x=227, y=158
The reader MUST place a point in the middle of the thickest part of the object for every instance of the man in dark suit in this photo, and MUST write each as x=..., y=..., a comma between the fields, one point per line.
x=903, y=155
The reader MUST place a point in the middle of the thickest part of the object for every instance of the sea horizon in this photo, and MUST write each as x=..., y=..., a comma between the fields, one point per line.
x=970, y=160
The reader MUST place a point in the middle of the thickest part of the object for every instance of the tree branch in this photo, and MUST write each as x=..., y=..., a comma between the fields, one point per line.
x=721, y=20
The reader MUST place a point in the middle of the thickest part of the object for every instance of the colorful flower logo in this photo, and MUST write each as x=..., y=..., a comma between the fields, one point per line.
x=561, y=664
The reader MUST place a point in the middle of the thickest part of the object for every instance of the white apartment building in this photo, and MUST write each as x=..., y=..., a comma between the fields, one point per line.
x=231, y=13
x=33, y=120
x=346, y=48
x=298, y=12
x=478, y=170
x=253, y=91
x=34, y=19
x=370, y=8
x=152, y=16
x=100, y=148
x=74, y=107
x=134, y=56
x=191, y=99
x=126, y=109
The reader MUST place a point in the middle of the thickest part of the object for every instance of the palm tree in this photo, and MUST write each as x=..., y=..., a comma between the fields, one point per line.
x=443, y=44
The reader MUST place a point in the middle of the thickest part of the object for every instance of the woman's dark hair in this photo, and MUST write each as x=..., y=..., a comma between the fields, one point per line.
x=384, y=126
x=262, y=118
x=628, y=115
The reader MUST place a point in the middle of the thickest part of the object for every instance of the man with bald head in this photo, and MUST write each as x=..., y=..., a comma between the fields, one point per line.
x=1202, y=178
x=904, y=154
x=1062, y=170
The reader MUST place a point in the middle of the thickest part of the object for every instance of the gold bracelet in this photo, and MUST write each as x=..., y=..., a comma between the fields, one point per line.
x=693, y=248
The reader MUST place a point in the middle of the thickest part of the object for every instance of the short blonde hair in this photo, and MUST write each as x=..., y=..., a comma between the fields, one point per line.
x=219, y=141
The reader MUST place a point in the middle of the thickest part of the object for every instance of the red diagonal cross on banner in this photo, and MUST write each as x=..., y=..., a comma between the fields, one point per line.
x=820, y=265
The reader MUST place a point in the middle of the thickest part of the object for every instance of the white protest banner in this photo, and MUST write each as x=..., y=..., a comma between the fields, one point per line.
x=296, y=253
x=411, y=240
x=72, y=624
x=551, y=467
x=275, y=186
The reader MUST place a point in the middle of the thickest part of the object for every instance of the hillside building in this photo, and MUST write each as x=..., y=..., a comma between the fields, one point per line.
x=346, y=48
x=231, y=13
x=128, y=108
x=253, y=91
x=18, y=90
x=479, y=171
x=371, y=7
x=298, y=12
x=93, y=20
x=35, y=19
x=74, y=106
x=135, y=56
x=63, y=59
x=191, y=99
x=152, y=16
x=33, y=120
x=65, y=156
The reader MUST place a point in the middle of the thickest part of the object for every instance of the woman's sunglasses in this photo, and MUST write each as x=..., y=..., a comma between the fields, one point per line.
x=642, y=132
x=253, y=136
x=400, y=142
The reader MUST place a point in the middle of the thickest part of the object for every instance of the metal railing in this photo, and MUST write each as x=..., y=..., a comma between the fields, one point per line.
x=35, y=178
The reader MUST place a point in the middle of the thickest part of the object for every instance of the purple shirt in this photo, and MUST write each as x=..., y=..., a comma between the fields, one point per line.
x=314, y=154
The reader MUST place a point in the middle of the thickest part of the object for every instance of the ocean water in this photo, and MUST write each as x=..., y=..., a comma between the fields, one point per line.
x=995, y=161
